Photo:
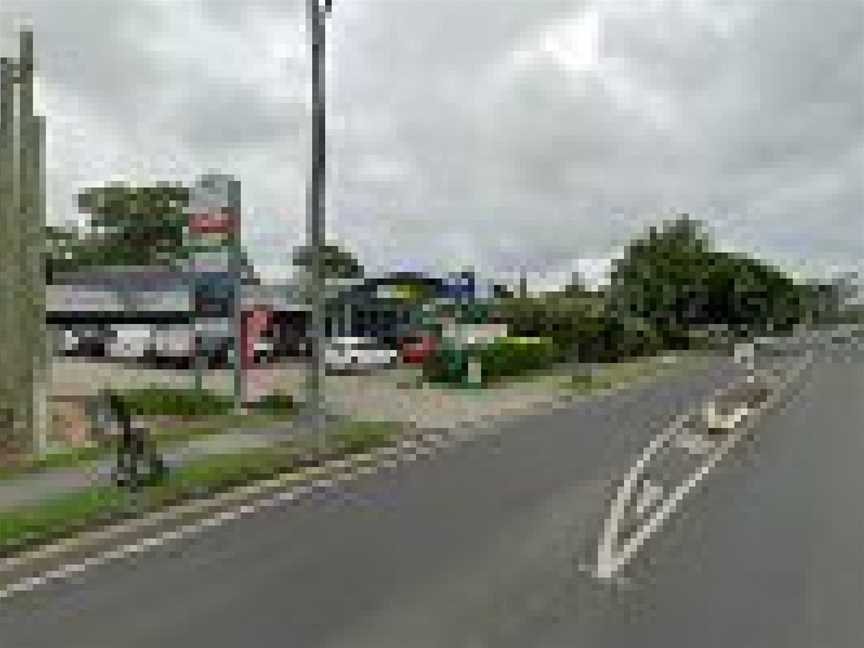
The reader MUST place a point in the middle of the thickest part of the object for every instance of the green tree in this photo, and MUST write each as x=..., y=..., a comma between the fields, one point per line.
x=135, y=225
x=673, y=279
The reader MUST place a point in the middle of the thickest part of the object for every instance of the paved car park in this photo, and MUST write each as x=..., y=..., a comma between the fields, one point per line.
x=394, y=394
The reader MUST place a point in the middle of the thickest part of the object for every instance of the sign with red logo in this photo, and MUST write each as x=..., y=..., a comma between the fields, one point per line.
x=214, y=222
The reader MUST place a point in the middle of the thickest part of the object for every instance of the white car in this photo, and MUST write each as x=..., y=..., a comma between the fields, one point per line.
x=174, y=343
x=130, y=342
x=346, y=353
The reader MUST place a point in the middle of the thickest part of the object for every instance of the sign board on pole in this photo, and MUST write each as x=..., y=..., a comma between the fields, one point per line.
x=213, y=238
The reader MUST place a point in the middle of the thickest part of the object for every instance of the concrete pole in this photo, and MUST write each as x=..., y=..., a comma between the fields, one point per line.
x=316, y=223
x=23, y=397
x=33, y=229
x=32, y=225
x=41, y=350
x=26, y=182
x=237, y=305
x=8, y=254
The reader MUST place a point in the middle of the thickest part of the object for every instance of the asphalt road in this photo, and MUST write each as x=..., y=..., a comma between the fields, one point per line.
x=481, y=546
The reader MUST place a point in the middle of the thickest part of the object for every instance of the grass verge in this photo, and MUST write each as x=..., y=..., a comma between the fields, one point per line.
x=61, y=517
x=621, y=374
x=166, y=434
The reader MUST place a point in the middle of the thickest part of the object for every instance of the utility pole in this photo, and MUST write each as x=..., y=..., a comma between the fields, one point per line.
x=316, y=13
x=23, y=336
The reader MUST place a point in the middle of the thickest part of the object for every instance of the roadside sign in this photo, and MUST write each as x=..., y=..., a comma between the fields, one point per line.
x=219, y=221
x=213, y=237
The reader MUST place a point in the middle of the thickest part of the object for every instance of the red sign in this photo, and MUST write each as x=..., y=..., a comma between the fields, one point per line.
x=221, y=221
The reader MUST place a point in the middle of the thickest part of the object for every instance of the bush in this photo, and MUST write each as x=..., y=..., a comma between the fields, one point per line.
x=508, y=356
x=626, y=337
x=446, y=365
x=572, y=323
x=512, y=356
x=275, y=403
x=156, y=401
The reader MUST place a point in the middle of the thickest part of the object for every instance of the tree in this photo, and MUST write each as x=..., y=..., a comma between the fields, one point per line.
x=672, y=278
x=337, y=263
x=136, y=225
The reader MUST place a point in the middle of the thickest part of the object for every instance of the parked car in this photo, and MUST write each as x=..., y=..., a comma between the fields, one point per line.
x=264, y=350
x=173, y=345
x=84, y=341
x=355, y=353
x=416, y=348
x=130, y=342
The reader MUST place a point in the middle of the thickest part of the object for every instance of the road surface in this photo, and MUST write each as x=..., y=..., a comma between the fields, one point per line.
x=481, y=547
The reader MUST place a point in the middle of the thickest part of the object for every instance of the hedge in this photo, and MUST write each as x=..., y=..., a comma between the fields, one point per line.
x=160, y=401
x=155, y=401
x=508, y=356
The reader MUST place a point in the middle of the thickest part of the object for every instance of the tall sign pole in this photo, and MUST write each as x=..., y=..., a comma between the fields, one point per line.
x=23, y=391
x=316, y=14
x=214, y=234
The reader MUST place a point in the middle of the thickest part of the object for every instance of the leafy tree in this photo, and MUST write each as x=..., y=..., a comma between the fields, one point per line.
x=136, y=225
x=673, y=279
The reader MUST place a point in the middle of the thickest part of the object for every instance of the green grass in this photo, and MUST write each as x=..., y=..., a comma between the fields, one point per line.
x=59, y=517
x=60, y=459
x=271, y=410
x=96, y=506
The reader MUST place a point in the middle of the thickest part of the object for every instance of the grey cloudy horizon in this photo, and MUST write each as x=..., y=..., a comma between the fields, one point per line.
x=541, y=133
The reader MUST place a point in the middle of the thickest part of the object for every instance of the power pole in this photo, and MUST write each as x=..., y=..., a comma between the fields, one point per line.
x=23, y=336
x=316, y=14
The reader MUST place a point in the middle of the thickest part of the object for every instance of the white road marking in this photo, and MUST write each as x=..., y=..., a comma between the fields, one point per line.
x=610, y=557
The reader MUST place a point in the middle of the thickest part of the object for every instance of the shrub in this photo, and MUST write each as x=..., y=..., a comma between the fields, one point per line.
x=508, y=356
x=275, y=403
x=512, y=356
x=155, y=401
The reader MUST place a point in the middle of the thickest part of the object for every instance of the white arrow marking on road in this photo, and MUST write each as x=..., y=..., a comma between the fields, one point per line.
x=611, y=557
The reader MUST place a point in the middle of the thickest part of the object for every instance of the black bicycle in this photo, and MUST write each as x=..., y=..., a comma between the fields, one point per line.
x=138, y=460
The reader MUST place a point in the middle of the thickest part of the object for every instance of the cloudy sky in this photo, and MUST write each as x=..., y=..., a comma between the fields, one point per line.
x=506, y=133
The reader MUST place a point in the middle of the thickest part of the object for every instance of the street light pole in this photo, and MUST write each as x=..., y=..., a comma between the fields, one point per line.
x=316, y=13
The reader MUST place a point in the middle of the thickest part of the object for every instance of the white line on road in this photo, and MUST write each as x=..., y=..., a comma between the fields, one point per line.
x=610, y=557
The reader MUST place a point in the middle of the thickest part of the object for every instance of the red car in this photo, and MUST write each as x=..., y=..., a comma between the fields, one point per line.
x=416, y=347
